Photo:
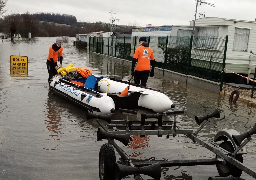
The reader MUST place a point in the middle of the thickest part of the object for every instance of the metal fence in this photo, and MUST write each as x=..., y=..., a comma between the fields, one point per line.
x=198, y=56
x=113, y=46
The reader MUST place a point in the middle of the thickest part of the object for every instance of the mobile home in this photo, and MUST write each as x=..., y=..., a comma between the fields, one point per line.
x=241, y=41
x=156, y=34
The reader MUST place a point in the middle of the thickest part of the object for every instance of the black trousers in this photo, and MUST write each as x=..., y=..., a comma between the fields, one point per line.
x=51, y=69
x=141, y=77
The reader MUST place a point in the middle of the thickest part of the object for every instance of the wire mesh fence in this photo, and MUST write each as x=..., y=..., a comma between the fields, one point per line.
x=200, y=56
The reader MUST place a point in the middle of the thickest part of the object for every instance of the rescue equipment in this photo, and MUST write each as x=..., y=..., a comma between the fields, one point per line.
x=65, y=70
x=103, y=95
x=84, y=72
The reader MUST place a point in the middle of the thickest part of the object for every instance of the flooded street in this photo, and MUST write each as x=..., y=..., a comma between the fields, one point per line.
x=43, y=136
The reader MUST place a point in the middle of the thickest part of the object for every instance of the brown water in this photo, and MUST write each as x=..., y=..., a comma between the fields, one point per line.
x=43, y=137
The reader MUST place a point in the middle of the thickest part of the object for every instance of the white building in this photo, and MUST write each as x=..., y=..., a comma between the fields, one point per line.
x=241, y=40
x=82, y=37
x=156, y=34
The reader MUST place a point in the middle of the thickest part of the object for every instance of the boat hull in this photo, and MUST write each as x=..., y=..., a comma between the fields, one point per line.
x=95, y=102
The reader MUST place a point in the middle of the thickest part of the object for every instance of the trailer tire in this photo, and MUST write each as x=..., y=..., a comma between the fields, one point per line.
x=227, y=169
x=107, y=160
x=231, y=97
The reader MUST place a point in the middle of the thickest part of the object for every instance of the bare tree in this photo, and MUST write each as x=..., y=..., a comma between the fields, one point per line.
x=28, y=24
x=2, y=5
x=11, y=24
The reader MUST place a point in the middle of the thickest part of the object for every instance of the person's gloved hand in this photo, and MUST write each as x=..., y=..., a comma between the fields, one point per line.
x=151, y=73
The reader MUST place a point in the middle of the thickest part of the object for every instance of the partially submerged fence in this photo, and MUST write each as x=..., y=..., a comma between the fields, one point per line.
x=113, y=46
x=198, y=56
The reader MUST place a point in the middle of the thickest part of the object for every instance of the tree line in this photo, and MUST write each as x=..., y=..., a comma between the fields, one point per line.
x=56, y=18
x=52, y=25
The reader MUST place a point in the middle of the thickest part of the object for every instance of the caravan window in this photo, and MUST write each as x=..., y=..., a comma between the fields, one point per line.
x=162, y=41
x=183, y=37
x=241, y=39
x=206, y=37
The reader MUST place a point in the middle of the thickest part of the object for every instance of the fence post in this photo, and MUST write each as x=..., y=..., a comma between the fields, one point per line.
x=124, y=48
x=210, y=63
x=253, y=83
x=97, y=40
x=89, y=45
x=165, y=56
x=189, y=58
x=210, y=67
x=102, y=46
x=108, y=46
x=224, y=64
x=135, y=43
x=112, y=46
x=115, y=46
x=93, y=44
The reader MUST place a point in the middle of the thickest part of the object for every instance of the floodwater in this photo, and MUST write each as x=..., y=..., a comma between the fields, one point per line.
x=43, y=136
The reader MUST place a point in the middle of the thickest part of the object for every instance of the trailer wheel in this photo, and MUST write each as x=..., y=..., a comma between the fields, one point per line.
x=227, y=169
x=107, y=160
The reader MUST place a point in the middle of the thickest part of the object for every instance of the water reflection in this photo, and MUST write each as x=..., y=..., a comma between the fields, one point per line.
x=109, y=66
x=61, y=113
x=23, y=40
x=53, y=122
x=138, y=142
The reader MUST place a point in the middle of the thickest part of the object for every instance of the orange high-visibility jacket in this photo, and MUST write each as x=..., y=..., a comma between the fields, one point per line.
x=55, y=52
x=144, y=55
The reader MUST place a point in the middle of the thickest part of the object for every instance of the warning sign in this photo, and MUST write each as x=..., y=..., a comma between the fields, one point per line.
x=19, y=65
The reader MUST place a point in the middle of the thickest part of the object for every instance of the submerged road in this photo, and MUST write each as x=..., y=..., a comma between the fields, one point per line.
x=43, y=136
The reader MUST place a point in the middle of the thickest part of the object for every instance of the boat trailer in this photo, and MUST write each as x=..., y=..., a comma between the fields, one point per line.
x=227, y=144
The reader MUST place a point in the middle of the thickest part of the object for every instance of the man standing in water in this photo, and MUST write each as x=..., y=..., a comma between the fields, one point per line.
x=55, y=54
x=145, y=57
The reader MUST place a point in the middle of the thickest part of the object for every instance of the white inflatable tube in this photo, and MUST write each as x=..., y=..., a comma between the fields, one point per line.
x=150, y=99
x=96, y=103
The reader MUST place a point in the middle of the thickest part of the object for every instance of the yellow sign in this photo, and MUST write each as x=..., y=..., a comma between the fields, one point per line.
x=19, y=65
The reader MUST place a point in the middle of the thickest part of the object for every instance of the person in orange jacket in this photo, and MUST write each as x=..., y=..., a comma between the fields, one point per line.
x=144, y=56
x=55, y=55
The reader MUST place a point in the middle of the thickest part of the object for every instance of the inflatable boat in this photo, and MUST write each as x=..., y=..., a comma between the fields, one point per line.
x=95, y=102
x=102, y=96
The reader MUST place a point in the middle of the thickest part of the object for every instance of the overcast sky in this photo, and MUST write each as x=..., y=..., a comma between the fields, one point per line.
x=137, y=12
